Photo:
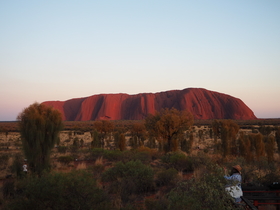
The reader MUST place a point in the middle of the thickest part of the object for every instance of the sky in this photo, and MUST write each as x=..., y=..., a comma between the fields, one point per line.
x=59, y=50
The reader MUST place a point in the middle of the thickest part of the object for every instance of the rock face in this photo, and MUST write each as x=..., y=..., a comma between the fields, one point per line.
x=202, y=103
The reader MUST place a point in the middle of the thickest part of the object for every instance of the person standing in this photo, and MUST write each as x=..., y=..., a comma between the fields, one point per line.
x=24, y=168
x=234, y=183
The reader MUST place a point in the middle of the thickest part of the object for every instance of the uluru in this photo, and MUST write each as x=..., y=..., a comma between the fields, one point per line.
x=202, y=103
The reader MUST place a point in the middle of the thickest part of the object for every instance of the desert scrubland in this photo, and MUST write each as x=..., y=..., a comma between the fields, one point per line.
x=166, y=174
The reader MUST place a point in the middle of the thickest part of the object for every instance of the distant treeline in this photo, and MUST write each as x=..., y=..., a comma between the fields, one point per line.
x=12, y=126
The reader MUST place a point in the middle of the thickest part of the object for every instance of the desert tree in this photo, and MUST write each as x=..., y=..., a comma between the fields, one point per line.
x=216, y=130
x=200, y=135
x=122, y=142
x=119, y=140
x=70, y=135
x=39, y=128
x=277, y=138
x=104, y=128
x=151, y=142
x=75, y=146
x=228, y=130
x=269, y=147
x=138, y=132
x=95, y=143
x=183, y=143
x=191, y=140
x=258, y=144
x=17, y=165
x=82, y=143
x=116, y=136
x=211, y=133
x=186, y=144
x=245, y=147
x=5, y=131
x=265, y=130
x=168, y=125
x=133, y=142
x=76, y=142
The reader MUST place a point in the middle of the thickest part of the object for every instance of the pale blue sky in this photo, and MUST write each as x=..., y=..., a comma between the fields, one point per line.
x=58, y=50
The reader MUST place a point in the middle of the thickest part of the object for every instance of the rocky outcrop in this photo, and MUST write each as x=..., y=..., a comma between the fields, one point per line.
x=202, y=103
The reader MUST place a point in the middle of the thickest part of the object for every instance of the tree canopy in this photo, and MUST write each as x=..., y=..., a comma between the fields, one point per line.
x=104, y=127
x=168, y=125
x=39, y=128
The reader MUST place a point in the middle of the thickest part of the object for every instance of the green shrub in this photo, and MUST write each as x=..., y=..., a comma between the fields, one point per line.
x=178, y=161
x=5, y=144
x=133, y=155
x=65, y=159
x=76, y=142
x=144, y=156
x=75, y=190
x=67, y=140
x=269, y=178
x=113, y=155
x=8, y=188
x=4, y=158
x=96, y=153
x=206, y=193
x=17, y=165
x=97, y=170
x=62, y=149
x=129, y=178
x=117, y=155
x=156, y=204
x=167, y=177
x=18, y=143
x=172, y=157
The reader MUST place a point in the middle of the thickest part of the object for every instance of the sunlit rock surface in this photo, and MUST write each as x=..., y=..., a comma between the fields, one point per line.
x=202, y=103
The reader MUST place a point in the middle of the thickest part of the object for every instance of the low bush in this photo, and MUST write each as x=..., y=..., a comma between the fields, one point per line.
x=133, y=155
x=205, y=193
x=4, y=158
x=129, y=178
x=179, y=161
x=156, y=204
x=16, y=166
x=62, y=149
x=167, y=177
x=8, y=188
x=75, y=190
x=96, y=153
x=65, y=159
x=113, y=155
x=117, y=155
x=97, y=170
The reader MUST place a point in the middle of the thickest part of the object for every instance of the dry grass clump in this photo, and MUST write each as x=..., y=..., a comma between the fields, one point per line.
x=99, y=161
x=199, y=172
x=81, y=165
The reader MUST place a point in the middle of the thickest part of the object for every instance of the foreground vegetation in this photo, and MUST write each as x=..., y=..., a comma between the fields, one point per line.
x=136, y=179
x=164, y=162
